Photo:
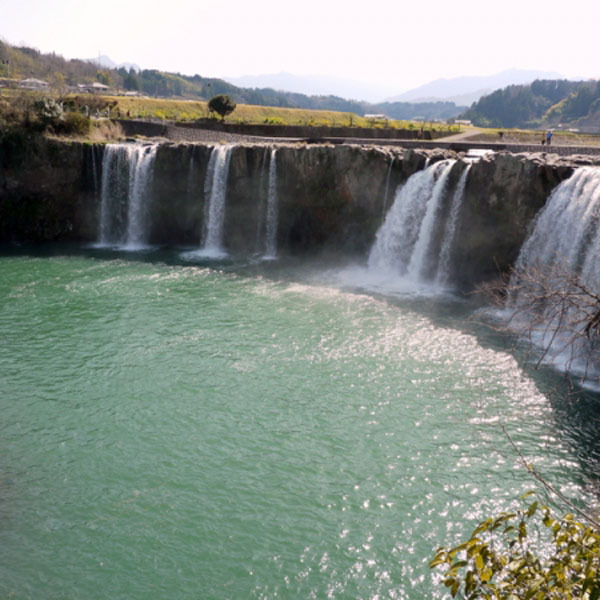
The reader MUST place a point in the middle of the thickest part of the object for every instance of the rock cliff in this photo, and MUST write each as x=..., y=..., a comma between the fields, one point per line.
x=331, y=197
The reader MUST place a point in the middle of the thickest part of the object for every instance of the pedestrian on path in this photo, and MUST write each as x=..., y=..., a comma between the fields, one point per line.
x=548, y=137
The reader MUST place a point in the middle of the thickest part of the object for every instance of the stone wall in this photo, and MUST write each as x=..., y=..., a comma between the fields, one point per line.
x=192, y=132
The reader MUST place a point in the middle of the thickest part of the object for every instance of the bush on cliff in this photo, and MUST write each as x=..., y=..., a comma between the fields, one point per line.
x=35, y=114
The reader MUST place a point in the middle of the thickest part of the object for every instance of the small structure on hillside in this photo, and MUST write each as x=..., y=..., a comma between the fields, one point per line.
x=93, y=88
x=33, y=84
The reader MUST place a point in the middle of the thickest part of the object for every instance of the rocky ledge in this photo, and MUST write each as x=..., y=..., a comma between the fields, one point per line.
x=331, y=197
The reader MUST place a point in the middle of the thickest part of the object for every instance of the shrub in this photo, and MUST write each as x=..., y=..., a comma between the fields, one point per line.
x=505, y=559
x=75, y=123
x=48, y=113
x=274, y=121
x=222, y=104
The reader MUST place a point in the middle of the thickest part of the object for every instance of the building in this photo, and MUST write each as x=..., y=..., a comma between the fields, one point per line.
x=33, y=84
x=93, y=88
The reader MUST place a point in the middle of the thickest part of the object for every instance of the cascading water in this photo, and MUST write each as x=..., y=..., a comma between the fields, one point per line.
x=272, y=210
x=443, y=269
x=387, y=184
x=125, y=190
x=263, y=191
x=556, y=264
x=113, y=194
x=417, y=263
x=95, y=150
x=403, y=242
x=140, y=179
x=566, y=229
x=215, y=195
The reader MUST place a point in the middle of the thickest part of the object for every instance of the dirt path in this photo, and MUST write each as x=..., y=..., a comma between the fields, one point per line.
x=460, y=137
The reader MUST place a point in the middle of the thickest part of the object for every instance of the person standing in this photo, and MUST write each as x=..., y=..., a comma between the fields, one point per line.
x=548, y=137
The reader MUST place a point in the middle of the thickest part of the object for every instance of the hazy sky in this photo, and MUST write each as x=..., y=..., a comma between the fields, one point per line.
x=397, y=42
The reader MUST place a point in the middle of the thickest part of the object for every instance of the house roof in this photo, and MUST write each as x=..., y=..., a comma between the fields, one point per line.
x=32, y=81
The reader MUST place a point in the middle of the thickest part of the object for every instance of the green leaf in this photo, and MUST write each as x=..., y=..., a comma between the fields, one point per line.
x=479, y=562
x=531, y=510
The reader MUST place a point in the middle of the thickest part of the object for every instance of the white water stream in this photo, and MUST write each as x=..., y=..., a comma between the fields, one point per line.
x=403, y=243
x=272, y=210
x=127, y=171
x=215, y=197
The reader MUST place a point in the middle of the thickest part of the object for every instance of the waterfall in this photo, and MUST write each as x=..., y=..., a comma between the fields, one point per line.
x=263, y=190
x=272, y=210
x=387, y=184
x=111, y=194
x=557, y=262
x=566, y=228
x=215, y=193
x=95, y=169
x=403, y=242
x=125, y=189
x=190, y=178
x=139, y=186
x=417, y=263
x=443, y=269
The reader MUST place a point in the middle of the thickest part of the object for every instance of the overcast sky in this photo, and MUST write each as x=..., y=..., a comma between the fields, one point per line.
x=405, y=44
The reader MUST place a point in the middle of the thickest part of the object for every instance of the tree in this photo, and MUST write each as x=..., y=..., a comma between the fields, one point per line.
x=511, y=556
x=222, y=105
x=557, y=311
x=532, y=553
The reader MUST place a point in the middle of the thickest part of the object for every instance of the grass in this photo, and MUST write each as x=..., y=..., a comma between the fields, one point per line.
x=141, y=107
x=192, y=110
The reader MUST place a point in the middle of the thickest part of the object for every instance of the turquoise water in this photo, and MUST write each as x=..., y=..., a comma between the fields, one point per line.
x=177, y=430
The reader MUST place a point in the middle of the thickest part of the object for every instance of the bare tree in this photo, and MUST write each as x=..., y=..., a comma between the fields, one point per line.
x=556, y=312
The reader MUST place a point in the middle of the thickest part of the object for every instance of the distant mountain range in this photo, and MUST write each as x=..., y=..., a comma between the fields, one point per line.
x=463, y=91
x=317, y=85
x=466, y=90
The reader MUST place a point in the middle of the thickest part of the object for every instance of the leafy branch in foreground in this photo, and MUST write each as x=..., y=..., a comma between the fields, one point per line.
x=526, y=554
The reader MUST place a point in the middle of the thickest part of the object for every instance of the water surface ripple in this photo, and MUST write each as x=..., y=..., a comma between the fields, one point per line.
x=176, y=431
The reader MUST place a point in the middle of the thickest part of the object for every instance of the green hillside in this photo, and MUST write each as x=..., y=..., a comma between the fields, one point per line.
x=543, y=103
x=21, y=62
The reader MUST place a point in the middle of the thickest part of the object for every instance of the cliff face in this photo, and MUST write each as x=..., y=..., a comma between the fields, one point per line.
x=503, y=193
x=330, y=197
x=47, y=189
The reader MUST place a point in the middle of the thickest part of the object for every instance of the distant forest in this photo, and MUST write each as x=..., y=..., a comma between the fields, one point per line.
x=23, y=62
x=543, y=103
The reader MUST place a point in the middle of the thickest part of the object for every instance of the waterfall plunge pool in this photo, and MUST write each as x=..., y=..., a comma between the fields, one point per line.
x=255, y=430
